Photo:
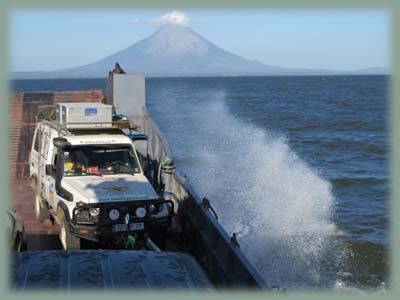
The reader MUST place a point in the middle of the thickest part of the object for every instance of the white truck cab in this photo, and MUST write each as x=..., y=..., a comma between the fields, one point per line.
x=88, y=178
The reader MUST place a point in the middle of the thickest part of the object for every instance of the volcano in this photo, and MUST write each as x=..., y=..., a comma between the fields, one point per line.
x=173, y=50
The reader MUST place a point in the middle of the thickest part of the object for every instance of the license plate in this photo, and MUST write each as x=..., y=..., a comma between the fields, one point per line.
x=123, y=227
x=136, y=226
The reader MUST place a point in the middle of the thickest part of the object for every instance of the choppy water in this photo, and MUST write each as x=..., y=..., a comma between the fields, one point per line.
x=297, y=166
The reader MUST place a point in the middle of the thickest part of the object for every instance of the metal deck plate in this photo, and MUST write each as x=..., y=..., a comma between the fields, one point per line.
x=107, y=269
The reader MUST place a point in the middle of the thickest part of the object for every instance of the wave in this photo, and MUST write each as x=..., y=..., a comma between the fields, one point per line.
x=279, y=206
x=304, y=127
x=367, y=267
x=347, y=181
x=376, y=149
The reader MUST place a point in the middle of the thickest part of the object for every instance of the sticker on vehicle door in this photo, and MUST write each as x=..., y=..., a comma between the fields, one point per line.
x=52, y=191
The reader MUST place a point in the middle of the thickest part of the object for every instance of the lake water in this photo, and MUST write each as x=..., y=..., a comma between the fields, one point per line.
x=296, y=166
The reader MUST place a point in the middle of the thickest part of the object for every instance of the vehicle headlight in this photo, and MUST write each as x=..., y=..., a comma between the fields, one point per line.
x=140, y=212
x=94, y=211
x=152, y=207
x=82, y=216
x=113, y=214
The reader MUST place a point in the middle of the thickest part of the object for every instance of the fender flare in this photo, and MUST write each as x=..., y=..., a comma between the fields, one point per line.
x=61, y=206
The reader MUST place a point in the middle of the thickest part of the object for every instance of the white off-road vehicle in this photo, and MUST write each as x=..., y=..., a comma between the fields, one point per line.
x=88, y=178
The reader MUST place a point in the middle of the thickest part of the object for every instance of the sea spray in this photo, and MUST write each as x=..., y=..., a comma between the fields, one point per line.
x=279, y=206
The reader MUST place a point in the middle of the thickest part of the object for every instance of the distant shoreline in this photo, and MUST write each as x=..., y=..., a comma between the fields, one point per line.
x=208, y=76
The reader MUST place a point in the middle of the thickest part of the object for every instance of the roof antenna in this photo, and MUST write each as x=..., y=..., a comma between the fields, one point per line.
x=118, y=69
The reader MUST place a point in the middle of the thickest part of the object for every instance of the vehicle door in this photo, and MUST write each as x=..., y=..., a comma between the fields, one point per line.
x=34, y=158
x=51, y=179
x=44, y=156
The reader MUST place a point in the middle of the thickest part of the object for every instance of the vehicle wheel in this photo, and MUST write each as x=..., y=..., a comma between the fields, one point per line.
x=41, y=211
x=68, y=241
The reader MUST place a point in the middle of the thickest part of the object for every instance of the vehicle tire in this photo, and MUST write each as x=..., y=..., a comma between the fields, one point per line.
x=41, y=211
x=68, y=240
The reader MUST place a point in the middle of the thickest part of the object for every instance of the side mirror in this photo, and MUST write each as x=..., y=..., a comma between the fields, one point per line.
x=49, y=170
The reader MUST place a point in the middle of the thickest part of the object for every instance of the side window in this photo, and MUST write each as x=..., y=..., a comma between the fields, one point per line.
x=45, y=146
x=36, y=141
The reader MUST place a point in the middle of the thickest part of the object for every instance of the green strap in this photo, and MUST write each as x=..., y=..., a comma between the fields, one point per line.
x=130, y=243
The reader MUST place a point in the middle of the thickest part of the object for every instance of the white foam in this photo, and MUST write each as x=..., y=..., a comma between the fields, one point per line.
x=279, y=206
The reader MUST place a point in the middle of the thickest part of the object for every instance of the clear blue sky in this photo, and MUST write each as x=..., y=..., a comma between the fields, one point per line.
x=340, y=40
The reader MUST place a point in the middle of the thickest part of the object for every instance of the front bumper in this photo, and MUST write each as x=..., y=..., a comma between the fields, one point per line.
x=103, y=232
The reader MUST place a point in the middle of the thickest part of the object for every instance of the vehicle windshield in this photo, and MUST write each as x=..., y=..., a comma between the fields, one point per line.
x=100, y=160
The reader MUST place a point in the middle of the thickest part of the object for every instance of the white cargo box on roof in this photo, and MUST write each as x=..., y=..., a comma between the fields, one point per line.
x=84, y=115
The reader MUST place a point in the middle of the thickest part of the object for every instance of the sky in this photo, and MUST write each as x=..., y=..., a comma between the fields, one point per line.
x=315, y=39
